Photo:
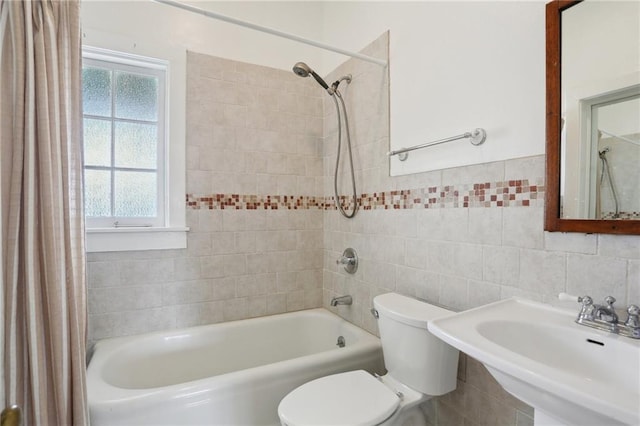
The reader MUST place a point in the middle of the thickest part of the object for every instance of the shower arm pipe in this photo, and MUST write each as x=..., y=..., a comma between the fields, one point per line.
x=477, y=137
x=272, y=31
x=619, y=137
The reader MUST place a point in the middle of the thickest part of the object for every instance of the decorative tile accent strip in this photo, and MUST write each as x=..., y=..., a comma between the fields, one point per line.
x=512, y=193
x=255, y=202
x=622, y=215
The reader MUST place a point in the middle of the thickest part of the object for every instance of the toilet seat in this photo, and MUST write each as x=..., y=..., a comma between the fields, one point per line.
x=354, y=398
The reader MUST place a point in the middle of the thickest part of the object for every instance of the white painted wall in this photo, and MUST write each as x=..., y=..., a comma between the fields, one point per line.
x=146, y=21
x=599, y=43
x=455, y=66
x=623, y=118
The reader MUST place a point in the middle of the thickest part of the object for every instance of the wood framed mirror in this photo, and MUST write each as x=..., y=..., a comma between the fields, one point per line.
x=560, y=215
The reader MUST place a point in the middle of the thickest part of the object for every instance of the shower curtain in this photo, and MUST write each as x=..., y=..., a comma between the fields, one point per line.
x=43, y=295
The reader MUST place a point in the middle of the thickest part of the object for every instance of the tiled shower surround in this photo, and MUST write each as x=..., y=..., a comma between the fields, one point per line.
x=265, y=234
x=251, y=130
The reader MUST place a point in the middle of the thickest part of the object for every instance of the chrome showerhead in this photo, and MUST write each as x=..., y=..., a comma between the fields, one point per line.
x=303, y=70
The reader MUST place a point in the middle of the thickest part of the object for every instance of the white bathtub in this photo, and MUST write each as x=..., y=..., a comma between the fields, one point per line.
x=232, y=373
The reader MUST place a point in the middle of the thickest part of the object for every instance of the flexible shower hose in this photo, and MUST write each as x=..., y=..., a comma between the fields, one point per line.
x=335, y=175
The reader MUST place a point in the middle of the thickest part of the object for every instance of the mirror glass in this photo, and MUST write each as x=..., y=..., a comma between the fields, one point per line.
x=600, y=111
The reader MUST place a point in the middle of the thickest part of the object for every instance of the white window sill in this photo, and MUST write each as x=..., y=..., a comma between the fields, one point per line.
x=129, y=239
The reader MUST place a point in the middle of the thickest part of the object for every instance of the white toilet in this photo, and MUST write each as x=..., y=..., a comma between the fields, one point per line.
x=419, y=366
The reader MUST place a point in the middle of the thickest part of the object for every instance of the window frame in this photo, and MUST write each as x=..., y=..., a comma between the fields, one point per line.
x=114, y=62
x=173, y=235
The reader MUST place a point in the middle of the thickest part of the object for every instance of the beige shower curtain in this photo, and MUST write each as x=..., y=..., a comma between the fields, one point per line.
x=43, y=296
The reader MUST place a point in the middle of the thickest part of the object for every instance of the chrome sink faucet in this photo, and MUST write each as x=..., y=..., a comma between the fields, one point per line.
x=604, y=317
x=607, y=313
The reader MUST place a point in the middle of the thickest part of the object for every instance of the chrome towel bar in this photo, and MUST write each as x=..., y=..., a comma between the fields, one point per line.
x=477, y=137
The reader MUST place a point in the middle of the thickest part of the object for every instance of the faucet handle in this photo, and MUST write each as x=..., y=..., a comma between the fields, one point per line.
x=586, y=312
x=349, y=259
x=633, y=318
x=585, y=300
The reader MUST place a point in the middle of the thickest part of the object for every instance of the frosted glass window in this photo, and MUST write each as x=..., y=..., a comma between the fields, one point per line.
x=97, y=142
x=124, y=119
x=96, y=91
x=97, y=193
x=134, y=194
x=136, y=145
x=136, y=97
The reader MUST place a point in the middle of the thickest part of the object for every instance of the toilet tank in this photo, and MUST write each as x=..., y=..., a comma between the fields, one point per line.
x=412, y=355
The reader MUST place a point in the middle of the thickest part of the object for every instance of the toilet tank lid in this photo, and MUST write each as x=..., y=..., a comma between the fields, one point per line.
x=408, y=310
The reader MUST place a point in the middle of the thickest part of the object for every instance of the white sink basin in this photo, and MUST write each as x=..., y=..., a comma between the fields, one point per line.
x=569, y=373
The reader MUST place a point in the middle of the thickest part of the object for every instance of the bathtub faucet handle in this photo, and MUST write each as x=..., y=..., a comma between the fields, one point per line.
x=346, y=259
x=349, y=259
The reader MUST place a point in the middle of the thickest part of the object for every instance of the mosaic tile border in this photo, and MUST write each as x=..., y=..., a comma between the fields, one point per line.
x=256, y=202
x=511, y=193
x=622, y=215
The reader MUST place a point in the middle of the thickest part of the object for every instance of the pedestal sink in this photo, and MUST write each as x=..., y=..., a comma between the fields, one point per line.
x=570, y=374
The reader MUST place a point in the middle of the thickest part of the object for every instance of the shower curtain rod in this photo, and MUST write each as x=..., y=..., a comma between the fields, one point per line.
x=619, y=137
x=271, y=31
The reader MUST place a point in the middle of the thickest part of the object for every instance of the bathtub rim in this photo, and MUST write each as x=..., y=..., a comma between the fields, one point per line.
x=103, y=395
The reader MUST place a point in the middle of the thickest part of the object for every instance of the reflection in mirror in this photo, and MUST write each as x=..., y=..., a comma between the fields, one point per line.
x=617, y=186
x=600, y=111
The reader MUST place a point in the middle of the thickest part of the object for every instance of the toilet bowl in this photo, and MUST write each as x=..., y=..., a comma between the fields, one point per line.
x=419, y=367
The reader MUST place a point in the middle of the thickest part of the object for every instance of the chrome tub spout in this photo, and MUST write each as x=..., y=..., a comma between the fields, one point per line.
x=342, y=300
